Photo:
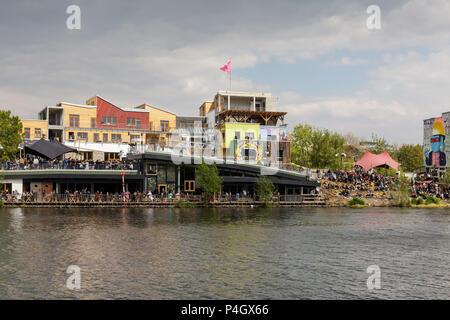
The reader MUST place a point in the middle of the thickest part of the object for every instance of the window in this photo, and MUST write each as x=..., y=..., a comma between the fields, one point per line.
x=92, y=122
x=74, y=121
x=96, y=138
x=109, y=121
x=82, y=136
x=150, y=126
x=86, y=155
x=27, y=133
x=237, y=135
x=111, y=156
x=71, y=136
x=116, y=137
x=164, y=125
x=151, y=169
x=134, y=123
x=134, y=137
x=105, y=137
x=189, y=185
x=37, y=132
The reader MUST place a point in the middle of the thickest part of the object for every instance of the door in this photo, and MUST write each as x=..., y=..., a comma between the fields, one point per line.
x=162, y=188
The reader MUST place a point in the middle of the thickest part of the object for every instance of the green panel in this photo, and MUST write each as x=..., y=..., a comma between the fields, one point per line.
x=162, y=174
x=231, y=128
x=171, y=174
x=151, y=183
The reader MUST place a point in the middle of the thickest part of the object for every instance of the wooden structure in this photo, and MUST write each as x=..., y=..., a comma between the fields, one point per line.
x=267, y=118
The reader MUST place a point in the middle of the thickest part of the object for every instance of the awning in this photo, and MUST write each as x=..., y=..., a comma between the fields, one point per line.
x=370, y=160
x=48, y=150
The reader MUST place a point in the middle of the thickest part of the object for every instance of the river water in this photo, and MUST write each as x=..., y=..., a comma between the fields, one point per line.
x=282, y=253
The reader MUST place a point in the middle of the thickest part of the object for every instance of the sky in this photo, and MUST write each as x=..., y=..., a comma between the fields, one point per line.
x=318, y=57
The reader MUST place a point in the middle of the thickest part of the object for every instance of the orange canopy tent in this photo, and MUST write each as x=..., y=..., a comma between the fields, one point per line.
x=370, y=160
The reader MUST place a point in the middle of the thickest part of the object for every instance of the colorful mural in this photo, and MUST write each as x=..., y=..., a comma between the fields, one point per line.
x=29, y=142
x=284, y=135
x=280, y=133
x=267, y=132
x=436, y=141
x=248, y=151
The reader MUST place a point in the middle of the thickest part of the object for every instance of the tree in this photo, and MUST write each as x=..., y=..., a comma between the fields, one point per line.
x=264, y=189
x=379, y=144
x=10, y=135
x=301, y=144
x=209, y=179
x=410, y=157
x=401, y=191
x=314, y=147
x=446, y=179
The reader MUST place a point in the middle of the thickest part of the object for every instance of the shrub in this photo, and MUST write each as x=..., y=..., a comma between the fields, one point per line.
x=264, y=189
x=417, y=201
x=432, y=200
x=356, y=201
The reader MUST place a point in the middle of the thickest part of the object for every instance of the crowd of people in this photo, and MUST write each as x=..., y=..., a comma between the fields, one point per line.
x=358, y=181
x=426, y=189
x=34, y=163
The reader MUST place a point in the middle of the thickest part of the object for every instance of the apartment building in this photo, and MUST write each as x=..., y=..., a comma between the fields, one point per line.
x=252, y=130
x=101, y=130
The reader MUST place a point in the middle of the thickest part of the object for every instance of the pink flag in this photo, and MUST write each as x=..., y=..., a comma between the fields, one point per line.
x=227, y=67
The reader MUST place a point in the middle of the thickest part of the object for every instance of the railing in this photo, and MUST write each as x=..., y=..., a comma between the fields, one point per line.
x=71, y=165
x=69, y=198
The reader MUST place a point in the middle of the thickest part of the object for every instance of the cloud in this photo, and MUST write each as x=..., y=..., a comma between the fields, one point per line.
x=346, y=61
x=169, y=53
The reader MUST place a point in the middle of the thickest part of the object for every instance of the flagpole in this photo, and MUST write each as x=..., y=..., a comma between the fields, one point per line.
x=230, y=75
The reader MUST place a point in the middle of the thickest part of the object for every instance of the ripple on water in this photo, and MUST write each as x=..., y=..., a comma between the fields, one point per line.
x=281, y=253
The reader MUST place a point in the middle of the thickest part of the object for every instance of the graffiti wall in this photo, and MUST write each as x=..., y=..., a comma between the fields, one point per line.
x=272, y=133
x=269, y=133
x=436, y=142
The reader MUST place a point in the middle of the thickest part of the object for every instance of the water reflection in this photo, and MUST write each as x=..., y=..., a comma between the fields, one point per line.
x=159, y=253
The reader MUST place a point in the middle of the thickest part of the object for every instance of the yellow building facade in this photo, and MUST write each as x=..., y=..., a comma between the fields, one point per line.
x=34, y=130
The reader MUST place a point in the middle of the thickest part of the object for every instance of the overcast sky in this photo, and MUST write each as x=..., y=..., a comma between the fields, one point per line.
x=327, y=68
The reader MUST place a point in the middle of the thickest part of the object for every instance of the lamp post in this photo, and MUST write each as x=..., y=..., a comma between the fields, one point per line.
x=342, y=155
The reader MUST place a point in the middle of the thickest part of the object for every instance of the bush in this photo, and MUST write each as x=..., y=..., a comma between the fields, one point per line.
x=417, y=201
x=356, y=201
x=432, y=200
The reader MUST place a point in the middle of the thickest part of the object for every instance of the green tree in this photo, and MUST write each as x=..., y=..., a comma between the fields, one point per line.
x=446, y=179
x=400, y=191
x=264, y=189
x=10, y=135
x=209, y=180
x=301, y=145
x=410, y=157
x=314, y=147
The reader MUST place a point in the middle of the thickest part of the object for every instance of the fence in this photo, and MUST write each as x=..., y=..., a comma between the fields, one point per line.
x=76, y=165
x=69, y=198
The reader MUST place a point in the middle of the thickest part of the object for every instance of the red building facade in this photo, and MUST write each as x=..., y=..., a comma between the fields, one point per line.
x=110, y=116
